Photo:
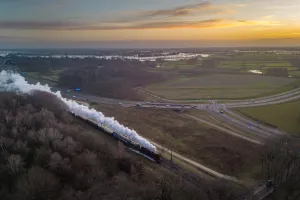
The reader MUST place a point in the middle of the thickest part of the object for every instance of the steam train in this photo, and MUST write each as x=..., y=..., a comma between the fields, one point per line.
x=132, y=145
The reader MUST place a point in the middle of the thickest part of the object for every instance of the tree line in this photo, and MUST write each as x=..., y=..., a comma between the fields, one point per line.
x=114, y=81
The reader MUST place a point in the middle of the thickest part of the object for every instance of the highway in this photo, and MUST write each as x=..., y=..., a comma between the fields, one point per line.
x=294, y=91
x=275, y=99
x=230, y=132
x=229, y=117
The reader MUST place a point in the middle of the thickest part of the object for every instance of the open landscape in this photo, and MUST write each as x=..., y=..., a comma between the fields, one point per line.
x=198, y=141
x=228, y=76
x=149, y=100
x=222, y=86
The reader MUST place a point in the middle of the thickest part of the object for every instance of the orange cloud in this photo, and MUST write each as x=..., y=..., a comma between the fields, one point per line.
x=61, y=25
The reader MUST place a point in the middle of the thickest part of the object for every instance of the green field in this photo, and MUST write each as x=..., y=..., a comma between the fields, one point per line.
x=284, y=116
x=50, y=77
x=294, y=73
x=175, y=65
x=222, y=86
x=254, y=65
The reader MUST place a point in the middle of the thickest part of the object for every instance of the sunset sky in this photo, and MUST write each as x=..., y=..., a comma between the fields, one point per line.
x=148, y=23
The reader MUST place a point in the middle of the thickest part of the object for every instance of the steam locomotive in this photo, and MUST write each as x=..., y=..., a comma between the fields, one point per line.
x=132, y=145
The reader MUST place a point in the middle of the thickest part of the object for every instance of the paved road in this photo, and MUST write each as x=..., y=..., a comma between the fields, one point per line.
x=294, y=91
x=263, y=132
x=243, y=103
x=258, y=125
x=230, y=132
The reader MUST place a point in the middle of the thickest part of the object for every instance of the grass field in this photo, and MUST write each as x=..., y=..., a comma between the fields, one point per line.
x=50, y=77
x=208, y=146
x=177, y=65
x=284, y=116
x=294, y=73
x=254, y=65
x=222, y=86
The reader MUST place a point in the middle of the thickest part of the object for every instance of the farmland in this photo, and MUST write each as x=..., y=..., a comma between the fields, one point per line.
x=50, y=77
x=240, y=64
x=222, y=86
x=177, y=65
x=284, y=116
x=190, y=138
x=294, y=73
x=261, y=66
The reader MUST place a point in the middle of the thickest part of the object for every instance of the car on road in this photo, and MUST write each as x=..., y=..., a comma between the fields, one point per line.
x=221, y=111
x=120, y=103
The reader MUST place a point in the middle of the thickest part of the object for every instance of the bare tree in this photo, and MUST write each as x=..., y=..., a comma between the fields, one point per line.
x=14, y=164
x=37, y=184
x=20, y=147
x=121, y=150
x=53, y=134
x=55, y=161
x=5, y=142
x=281, y=164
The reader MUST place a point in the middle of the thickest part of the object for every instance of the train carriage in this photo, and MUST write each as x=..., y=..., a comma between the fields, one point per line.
x=123, y=138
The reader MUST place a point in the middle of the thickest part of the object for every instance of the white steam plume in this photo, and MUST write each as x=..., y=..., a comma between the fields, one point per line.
x=14, y=82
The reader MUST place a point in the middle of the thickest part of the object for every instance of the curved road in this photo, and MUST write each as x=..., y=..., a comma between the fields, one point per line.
x=233, y=119
x=294, y=91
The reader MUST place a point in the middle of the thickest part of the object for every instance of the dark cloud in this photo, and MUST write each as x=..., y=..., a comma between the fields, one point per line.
x=5, y=37
x=36, y=25
x=180, y=11
x=61, y=25
x=158, y=25
x=49, y=25
x=67, y=25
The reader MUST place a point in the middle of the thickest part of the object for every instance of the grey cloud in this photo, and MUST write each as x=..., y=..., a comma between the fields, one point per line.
x=62, y=25
x=38, y=25
x=157, y=25
x=180, y=11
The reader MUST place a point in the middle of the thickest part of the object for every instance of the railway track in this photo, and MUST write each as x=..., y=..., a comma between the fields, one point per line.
x=187, y=176
x=182, y=173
